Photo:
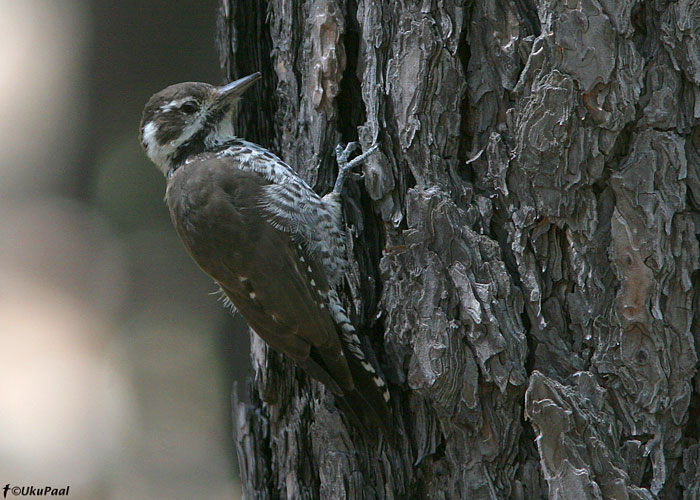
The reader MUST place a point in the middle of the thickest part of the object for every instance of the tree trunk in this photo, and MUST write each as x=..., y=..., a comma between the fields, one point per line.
x=524, y=246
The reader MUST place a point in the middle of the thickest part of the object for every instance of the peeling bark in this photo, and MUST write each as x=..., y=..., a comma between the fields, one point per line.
x=525, y=258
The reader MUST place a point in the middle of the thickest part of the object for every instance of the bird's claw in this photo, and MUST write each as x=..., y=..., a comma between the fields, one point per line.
x=342, y=155
x=345, y=166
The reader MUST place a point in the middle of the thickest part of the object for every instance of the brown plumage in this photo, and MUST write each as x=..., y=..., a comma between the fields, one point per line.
x=218, y=215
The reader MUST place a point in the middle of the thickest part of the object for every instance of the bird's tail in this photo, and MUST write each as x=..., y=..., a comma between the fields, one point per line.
x=364, y=404
x=369, y=400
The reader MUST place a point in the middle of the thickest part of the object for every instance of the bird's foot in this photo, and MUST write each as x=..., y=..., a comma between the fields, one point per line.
x=345, y=167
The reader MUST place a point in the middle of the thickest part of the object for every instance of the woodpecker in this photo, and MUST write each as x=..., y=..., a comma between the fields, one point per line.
x=275, y=248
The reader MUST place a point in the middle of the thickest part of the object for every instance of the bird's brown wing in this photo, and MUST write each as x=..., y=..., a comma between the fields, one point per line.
x=274, y=284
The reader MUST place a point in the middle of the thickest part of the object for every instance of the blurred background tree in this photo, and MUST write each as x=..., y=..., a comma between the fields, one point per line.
x=117, y=364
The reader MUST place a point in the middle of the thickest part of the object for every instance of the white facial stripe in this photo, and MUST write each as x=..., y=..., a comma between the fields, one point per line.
x=157, y=153
x=169, y=106
x=149, y=136
x=190, y=130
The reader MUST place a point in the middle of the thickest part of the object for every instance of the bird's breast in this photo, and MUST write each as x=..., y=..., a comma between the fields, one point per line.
x=215, y=210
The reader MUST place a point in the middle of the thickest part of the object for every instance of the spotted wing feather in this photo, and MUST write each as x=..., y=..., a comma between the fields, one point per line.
x=256, y=265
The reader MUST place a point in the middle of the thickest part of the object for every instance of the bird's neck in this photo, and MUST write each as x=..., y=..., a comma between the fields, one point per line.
x=217, y=140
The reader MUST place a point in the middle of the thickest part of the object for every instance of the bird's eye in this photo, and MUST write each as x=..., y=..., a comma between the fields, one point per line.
x=188, y=107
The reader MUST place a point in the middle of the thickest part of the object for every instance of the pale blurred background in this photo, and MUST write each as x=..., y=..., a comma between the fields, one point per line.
x=116, y=363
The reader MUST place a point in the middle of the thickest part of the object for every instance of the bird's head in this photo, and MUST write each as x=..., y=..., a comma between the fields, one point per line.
x=189, y=118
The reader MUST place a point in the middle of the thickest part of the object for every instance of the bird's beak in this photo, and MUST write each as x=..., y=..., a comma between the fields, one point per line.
x=232, y=91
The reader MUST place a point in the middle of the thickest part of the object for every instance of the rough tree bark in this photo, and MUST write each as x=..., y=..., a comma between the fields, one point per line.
x=524, y=246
